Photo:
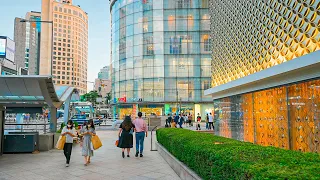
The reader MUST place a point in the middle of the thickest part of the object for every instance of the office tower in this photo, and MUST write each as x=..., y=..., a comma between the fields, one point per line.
x=27, y=38
x=67, y=61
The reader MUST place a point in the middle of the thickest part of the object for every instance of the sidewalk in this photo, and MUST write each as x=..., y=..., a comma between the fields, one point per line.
x=106, y=164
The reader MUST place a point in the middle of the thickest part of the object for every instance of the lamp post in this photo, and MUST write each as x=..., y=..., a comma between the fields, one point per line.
x=50, y=22
x=94, y=84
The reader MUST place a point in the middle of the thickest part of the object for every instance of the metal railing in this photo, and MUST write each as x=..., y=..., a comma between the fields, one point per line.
x=41, y=128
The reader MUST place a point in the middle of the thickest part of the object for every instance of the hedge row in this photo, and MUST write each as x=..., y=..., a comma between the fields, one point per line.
x=214, y=157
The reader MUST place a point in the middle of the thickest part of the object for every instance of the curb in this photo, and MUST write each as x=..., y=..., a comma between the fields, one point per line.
x=184, y=172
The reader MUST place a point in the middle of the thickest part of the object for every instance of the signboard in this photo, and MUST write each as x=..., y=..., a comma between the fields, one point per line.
x=3, y=43
x=10, y=50
x=7, y=48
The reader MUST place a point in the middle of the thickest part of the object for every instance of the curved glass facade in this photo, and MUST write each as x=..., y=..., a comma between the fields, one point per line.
x=160, y=50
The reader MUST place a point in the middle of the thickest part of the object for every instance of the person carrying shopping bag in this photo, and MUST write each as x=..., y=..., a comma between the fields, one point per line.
x=87, y=148
x=69, y=132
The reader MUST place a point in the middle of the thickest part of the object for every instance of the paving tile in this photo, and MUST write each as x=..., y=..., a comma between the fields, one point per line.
x=106, y=164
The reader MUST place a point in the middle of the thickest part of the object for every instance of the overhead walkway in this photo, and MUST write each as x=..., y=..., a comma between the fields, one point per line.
x=25, y=94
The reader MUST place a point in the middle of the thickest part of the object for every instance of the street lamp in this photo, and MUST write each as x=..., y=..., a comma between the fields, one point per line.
x=50, y=22
x=94, y=84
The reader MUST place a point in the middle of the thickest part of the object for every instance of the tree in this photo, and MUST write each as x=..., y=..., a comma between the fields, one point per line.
x=108, y=98
x=91, y=97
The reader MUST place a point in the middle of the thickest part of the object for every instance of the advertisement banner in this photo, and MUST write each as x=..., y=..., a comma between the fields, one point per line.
x=3, y=43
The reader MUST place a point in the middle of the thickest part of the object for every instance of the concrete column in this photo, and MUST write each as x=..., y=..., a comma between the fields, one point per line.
x=53, y=119
x=2, y=117
x=66, y=109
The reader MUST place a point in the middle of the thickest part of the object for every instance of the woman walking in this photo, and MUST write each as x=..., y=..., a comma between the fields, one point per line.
x=87, y=149
x=126, y=135
x=69, y=132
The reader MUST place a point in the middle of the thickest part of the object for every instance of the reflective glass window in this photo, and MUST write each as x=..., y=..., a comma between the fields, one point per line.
x=170, y=83
x=158, y=71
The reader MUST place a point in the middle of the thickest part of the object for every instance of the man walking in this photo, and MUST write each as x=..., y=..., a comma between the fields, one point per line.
x=211, y=122
x=176, y=119
x=181, y=119
x=141, y=131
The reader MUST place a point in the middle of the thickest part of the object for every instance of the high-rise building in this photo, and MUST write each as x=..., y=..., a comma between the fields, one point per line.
x=68, y=60
x=265, y=72
x=104, y=73
x=27, y=38
x=161, y=56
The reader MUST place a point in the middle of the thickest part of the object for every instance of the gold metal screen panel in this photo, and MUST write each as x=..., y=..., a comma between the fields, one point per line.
x=249, y=36
x=304, y=104
x=271, y=117
x=248, y=123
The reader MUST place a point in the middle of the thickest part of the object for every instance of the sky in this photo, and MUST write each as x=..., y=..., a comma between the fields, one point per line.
x=99, y=28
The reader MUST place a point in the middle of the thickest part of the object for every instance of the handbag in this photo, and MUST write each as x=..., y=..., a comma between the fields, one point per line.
x=61, y=142
x=116, y=143
x=96, y=142
x=131, y=131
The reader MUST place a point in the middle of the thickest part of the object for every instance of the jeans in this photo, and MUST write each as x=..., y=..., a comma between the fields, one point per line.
x=67, y=149
x=139, y=141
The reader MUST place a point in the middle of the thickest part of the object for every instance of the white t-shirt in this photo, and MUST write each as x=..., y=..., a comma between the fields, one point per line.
x=69, y=139
x=210, y=118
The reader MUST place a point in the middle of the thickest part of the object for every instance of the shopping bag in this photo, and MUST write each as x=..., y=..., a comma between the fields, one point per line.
x=116, y=143
x=96, y=142
x=61, y=142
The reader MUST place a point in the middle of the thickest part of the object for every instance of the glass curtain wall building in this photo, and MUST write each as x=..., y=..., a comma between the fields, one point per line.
x=161, y=56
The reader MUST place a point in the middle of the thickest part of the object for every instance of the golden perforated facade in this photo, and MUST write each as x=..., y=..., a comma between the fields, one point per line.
x=250, y=36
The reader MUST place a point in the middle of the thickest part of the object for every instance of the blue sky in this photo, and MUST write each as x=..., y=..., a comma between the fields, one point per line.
x=99, y=27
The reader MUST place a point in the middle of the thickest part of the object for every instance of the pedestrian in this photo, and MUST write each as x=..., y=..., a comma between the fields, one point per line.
x=169, y=120
x=198, y=122
x=211, y=122
x=87, y=148
x=207, y=121
x=176, y=119
x=190, y=119
x=141, y=131
x=69, y=132
x=126, y=135
x=180, y=121
x=186, y=119
x=173, y=123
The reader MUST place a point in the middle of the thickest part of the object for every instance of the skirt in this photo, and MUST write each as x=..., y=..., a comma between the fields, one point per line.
x=126, y=140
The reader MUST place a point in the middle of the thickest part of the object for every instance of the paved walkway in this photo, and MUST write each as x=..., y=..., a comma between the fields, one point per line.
x=106, y=164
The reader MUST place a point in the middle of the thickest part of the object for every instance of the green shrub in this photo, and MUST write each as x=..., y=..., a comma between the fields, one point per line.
x=214, y=157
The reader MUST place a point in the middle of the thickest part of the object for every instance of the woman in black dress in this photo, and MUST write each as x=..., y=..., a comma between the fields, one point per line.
x=126, y=135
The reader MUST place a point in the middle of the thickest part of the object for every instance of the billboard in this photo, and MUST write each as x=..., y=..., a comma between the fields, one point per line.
x=3, y=43
x=7, y=48
x=10, y=50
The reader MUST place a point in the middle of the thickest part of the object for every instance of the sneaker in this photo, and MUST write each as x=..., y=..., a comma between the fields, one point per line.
x=137, y=153
x=141, y=155
x=67, y=165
